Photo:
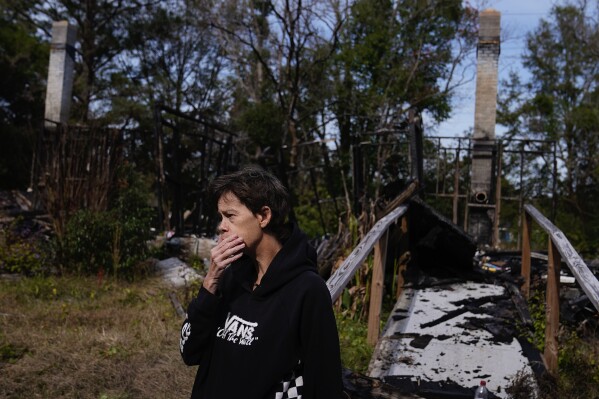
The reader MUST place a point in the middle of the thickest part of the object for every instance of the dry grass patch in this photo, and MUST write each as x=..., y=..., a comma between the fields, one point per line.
x=70, y=338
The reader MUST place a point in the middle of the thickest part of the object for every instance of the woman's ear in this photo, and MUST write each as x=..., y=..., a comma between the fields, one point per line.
x=264, y=216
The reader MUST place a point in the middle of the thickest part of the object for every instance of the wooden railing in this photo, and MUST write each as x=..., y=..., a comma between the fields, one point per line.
x=559, y=249
x=375, y=239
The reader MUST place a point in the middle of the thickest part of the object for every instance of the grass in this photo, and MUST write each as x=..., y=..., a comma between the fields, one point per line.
x=75, y=338
x=72, y=338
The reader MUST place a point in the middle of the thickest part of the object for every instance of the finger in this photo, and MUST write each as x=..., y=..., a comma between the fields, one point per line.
x=228, y=248
x=229, y=257
x=234, y=249
x=221, y=246
x=227, y=240
x=225, y=244
x=232, y=259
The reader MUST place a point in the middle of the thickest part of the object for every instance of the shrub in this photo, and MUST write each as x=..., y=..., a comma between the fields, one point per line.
x=115, y=239
x=87, y=241
x=25, y=249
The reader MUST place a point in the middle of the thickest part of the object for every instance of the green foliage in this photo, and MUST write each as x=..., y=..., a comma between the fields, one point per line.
x=10, y=353
x=21, y=257
x=61, y=288
x=24, y=249
x=580, y=223
x=263, y=123
x=311, y=219
x=579, y=368
x=174, y=58
x=395, y=55
x=23, y=65
x=536, y=307
x=87, y=241
x=40, y=287
x=197, y=263
x=577, y=358
x=113, y=240
x=559, y=102
x=355, y=351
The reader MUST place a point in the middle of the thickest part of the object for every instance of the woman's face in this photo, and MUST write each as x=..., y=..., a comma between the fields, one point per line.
x=237, y=219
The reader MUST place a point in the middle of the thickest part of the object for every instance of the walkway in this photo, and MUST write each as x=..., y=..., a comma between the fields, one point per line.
x=447, y=338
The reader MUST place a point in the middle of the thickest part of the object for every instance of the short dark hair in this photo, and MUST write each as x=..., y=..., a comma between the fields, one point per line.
x=255, y=188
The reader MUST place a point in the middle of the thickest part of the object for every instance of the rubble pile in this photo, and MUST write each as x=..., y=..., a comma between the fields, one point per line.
x=576, y=309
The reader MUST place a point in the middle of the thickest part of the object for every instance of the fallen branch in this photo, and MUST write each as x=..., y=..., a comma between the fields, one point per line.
x=177, y=305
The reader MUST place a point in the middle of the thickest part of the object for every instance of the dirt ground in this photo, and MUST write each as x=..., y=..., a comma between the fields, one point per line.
x=78, y=338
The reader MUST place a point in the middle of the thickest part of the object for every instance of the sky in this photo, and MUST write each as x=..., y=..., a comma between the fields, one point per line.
x=518, y=17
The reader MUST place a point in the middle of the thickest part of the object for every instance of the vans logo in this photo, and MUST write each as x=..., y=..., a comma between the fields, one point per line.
x=237, y=330
x=185, y=332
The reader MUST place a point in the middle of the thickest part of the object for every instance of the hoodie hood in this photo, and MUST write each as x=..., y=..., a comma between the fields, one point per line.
x=295, y=257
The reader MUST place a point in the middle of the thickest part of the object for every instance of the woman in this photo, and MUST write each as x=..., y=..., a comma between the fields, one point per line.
x=262, y=325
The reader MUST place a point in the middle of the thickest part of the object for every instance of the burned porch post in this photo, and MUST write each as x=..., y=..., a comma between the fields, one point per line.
x=481, y=202
x=60, y=73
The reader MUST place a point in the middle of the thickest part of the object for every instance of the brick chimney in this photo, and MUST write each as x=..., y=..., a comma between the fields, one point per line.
x=481, y=203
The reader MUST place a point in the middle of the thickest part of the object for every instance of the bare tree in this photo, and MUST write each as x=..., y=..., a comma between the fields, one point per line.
x=278, y=49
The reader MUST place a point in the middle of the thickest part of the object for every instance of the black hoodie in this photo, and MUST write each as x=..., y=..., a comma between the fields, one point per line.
x=277, y=341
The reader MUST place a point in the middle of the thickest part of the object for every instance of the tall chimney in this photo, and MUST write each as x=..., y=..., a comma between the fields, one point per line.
x=481, y=207
x=60, y=73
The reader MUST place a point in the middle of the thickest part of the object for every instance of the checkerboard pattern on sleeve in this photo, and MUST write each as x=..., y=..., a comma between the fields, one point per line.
x=291, y=386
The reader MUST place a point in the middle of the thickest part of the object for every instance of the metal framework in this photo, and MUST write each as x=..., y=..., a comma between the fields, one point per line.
x=450, y=158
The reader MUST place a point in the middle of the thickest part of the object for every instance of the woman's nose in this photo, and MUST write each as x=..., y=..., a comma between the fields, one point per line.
x=222, y=227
